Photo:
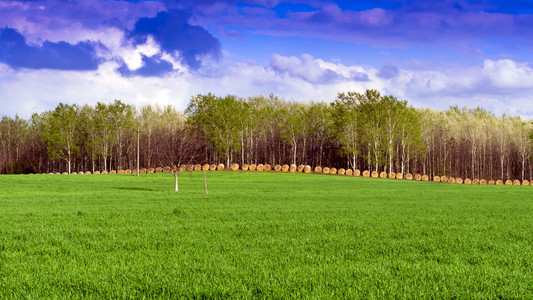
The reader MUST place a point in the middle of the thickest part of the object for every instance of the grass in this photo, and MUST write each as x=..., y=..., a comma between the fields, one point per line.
x=262, y=235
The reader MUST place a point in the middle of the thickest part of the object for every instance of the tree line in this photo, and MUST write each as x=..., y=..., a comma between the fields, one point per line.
x=366, y=131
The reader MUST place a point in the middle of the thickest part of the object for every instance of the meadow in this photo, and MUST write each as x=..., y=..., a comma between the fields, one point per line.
x=262, y=235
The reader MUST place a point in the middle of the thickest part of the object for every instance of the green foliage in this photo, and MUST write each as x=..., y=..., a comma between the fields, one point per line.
x=312, y=236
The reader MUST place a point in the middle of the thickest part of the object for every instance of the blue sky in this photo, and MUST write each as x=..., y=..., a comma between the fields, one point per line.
x=431, y=53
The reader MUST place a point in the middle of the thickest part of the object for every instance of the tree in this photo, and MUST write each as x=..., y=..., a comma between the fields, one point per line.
x=345, y=114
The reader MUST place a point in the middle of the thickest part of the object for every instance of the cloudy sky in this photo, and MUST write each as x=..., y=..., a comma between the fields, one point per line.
x=431, y=53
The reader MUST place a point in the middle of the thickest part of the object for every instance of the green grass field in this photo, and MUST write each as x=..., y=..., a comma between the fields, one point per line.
x=265, y=235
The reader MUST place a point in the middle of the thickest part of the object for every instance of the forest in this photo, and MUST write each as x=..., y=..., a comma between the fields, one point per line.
x=365, y=131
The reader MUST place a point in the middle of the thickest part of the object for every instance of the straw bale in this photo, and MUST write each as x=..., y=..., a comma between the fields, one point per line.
x=220, y=167
x=277, y=168
x=88, y=173
x=392, y=175
x=234, y=167
x=167, y=168
x=260, y=167
x=499, y=182
x=158, y=170
x=245, y=167
x=307, y=169
x=104, y=172
x=516, y=182
x=190, y=167
x=301, y=168
x=267, y=167
x=491, y=182
x=293, y=168
x=205, y=167
x=525, y=182
x=73, y=173
x=425, y=177
x=112, y=172
x=285, y=168
x=459, y=180
x=508, y=182
x=451, y=180
x=128, y=171
x=64, y=173
x=333, y=171
x=252, y=167
x=443, y=179
x=482, y=182
x=356, y=173
x=198, y=167
x=418, y=177
x=409, y=176
x=325, y=170
x=366, y=173
x=318, y=169
x=120, y=172
x=96, y=173
x=468, y=181
x=374, y=174
x=142, y=171
x=383, y=175
x=436, y=178
x=349, y=172
x=212, y=167
x=475, y=181
x=341, y=171
x=399, y=176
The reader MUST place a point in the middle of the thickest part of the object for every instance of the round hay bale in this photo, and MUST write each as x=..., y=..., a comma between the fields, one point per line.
x=285, y=168
x=525, y=182
x=167, y=168
x=475, y=181
x=293, y=168
x=318, y=169
x=499, y=182
x=349, y=172
x=341, y=171
x=301, y=168
x=96, y=173
x=220, y=167
x=459, y=180
x=88, y=173
x=383, y=175
x=104, y=173
x=112, y=172
x=409, y=176
x=151, y=170
x=418, y=177
x=260, y=168
x=190, y=167
x=74, y=173
x=182, y=168
x=245, y=167
x=234, y=167
x=467, y=181
x=205, y=167
x=443, y=179
x=120, y=172
x=425, y=177
x=252, y=167
x=451, y=180
x=333, y=171
x=134, y=171
x=267, y=167
x=482, y=182
x=436, y=178
x=491, y=182
x=159, y=170
x=277, y=168
x=356, y=173
x=399, y=176
x=374, y=174
x=508, y=182
x=366, y=173
x=325, y=170
x=307, y=169
x=198, y=167
x=64, y=173
x=212, y=167
x=392, y=175
x=127, y=171
x=516, y=182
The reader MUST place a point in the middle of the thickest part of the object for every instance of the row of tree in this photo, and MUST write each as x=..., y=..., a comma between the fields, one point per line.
x=357, y=130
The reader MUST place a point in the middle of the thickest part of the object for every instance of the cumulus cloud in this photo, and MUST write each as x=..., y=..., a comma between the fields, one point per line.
x=17, y=53
x=388, y=71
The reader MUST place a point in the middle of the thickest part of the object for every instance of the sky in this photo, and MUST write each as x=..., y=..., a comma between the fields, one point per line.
x=431, y=53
